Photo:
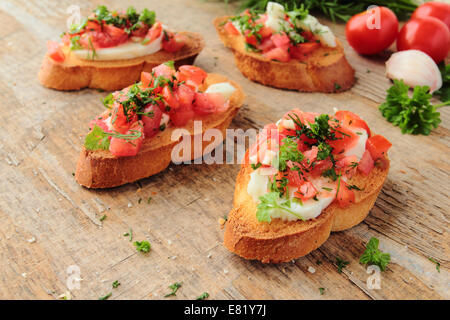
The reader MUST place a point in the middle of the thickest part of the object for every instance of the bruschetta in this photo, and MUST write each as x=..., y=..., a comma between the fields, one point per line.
x=136, y=134
x=286, y=49
x=108, y=50
x=307, y=175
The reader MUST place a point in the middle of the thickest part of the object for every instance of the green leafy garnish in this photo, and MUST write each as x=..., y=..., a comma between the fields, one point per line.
x=103, y=217
x=288, y=152
x=105, y=297
x=372, y=255
x=115, y=284
x=97, y=140
x=129, y=234
x=203, y=296
x=415, y=115
x=444, y=91
x=174, y=287
x=108, y=101
x=142, y=246
x=268, y=203
x=438, y=265
x=322, y=291
x=341, y=264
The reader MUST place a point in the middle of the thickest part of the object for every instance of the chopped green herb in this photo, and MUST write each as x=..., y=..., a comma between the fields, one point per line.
x=353, y=187
x=142, y=246
x=269, y=203
x=322, y=291
x=341, y=264
x=372, y=255
x=203, y=296
x=105, y=297
x=174, y=287
x=149, y=199
x=337, y=86
x=438, y=265
x=129, y=234
x=115, y=284
x=103, y=217
x=256, y=166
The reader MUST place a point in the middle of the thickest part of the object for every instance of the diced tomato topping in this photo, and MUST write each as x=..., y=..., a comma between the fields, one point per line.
x=265, y=32
x=154, y=32
x=140, y=32
x=345, y=140
x=146, y=79
x=351, y=120
x=280, y=40
x=185, y=95
x=266, y=45
x=320, y=166
x=278, y=54
x=120, y=121
x=54, y=51
x=124, y=148
x=294, y=178
x=366, y=163
x=231, y=29
x=344, y=196
x=347, y=164
x=163, y=70
x=191, y=75
x=308, y=35
x=98, y=122
x=93, y=25
x=310, y=155
x=151, y=122
x=251, y=39
x=306, y=191
x=202, y=104
x=174, y=43
x=169, y=98
x=185, y=112
x=301, y=50
x=378, y=146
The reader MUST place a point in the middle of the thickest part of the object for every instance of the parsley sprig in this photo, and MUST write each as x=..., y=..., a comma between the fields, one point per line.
x=372, y=255
x=413, y=115
x=269, y=202
x=142, y=246
x=174, y=287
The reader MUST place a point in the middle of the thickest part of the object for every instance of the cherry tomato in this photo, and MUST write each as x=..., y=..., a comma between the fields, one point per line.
x=151, y=123
x=54, y=51
x=345, y=196
x=429, y=35
x=366, y=37
x=127, y=148
x=366, y=163
x=231, y=29
x=174, y=43
x=435, y=9
x=378, y=146
x=278, y=54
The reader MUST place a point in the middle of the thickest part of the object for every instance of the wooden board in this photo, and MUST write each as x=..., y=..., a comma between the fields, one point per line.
x=48, y=222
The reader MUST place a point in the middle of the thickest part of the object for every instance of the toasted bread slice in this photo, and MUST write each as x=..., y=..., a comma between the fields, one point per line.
x=324, y=70
x=75, y=73
x=282, y=241
x=100, y=169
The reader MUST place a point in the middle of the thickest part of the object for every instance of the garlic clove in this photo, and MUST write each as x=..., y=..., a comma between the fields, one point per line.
x=415, y=68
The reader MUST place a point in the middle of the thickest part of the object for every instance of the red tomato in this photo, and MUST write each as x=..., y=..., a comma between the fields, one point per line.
x=117, y=34
x=100, y=123
x=378, y=146
x=277, y=54
x=429, y=35
x=306, y=191
x=231, y=29
x=265, y=32
x=154, y=32
x=345, y=196
x=141, y=32
x=218, y=101
x=308, y=35
x=174, y=43
x=123, y=148
x=280, y=40
x=202, y=105
x=163, y=70
x=54, y=51
x=93, y=26
x=347, y=164
x=303, y=49
x=182, y=115
x=251, y=39
x=119, y=121
x=193, y=76
x=345, y=140
x=435, y=9
x=321, y=166
x=146, y=79
x=151, y=123
x=169, y=98
x=185, y=95
x=294, y=178
x=375, y=39
x=266, y=45
x=366, y=163
x=310, y=155
x=351, y=120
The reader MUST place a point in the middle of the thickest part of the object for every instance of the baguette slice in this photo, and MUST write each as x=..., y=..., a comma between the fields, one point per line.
x=282, y=241
x=100, y=169
x=324, y=70
x=75, y=73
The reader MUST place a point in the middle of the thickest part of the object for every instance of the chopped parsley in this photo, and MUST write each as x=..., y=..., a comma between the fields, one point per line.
x=142, y=246
x=341, y=264
x=103, y=217
x=269, y=202
x=106, y=297
x=438, y=265
x=174, y=287
x=322, y=291
x=129, y=234
x=372, y=255
x=203, y=296
x=116, y=284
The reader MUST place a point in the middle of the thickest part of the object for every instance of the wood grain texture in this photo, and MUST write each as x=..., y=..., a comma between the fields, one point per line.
x=41, y=136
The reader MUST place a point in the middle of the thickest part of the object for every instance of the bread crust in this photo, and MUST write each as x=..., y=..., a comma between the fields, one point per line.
x=324, y=70
x=75, y=73
x=100, y=169
x=282, y=241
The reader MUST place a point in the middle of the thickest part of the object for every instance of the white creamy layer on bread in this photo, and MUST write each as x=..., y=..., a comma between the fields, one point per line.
x=128, y=50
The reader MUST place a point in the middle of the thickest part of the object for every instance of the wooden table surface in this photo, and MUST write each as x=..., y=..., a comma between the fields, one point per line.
x=48, y=222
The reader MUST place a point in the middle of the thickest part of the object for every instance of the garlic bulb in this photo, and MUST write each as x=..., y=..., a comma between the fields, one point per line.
x=415, y=68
